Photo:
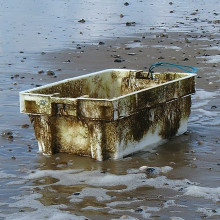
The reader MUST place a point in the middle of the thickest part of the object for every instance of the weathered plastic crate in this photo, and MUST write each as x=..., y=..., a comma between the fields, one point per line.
x=109, y=114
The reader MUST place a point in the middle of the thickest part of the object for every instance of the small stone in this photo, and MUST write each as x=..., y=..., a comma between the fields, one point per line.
x=171, y=11
x=82, y=21
x=76, y=194
x=150, y=170
x=40, y=71
x=160, y=58
x=194, y=166
x=13, y=157
x=25, y=126
x=43, y=53
x=6, y=133
x=118, y=60
x=101, y=43
x=170, y=3
x=185, y=59
x=195, y=19
x=10, y=137
x=138, y=210
x=163, y=35
x=187, y=40
x=131, y=23
x=121, y=15
x=50, y=73
x=131, y=54
x=216, y=21
x=126, y=3
x=200, y=143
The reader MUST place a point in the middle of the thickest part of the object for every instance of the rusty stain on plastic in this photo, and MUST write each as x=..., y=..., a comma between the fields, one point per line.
x=109, y=114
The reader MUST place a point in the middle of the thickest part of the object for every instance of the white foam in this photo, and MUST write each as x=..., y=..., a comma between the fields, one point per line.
x=146, y=213
x=98, y=193
x=176, y=218
x=96, y=178
x=116, y=203
x=157, y=170
x=171, y=203
x=200, y=104
x=209, y=212
x=208, y=113
x=168, y=47
x=126, y=217
x=18, y=182
x=204, y=192
x=213, y=59
x=6, y=175
x=51, y=212
x=202, y=94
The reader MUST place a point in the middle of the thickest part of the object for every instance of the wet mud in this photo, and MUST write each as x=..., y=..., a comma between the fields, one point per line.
x=177, y=180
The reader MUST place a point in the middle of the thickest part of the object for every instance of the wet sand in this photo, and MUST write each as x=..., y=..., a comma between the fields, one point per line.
x=184, y=183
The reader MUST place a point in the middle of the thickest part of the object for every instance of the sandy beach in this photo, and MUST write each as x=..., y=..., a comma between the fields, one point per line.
x=56, y=40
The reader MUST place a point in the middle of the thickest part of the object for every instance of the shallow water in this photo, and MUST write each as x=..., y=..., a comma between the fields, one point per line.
x=185, y=181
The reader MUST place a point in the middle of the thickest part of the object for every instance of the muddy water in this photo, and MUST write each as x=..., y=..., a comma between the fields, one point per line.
x=184, y=180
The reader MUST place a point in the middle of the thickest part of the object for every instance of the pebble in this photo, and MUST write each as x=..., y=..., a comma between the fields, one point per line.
x=40, y=71
x=200, y=143
x=131, y=54
x=6, y=133
x=50, y=73
x=82, y=21
x=131, y=23
x=185, y=59
x=25, y=126
x=160, y=58
x=216, y=21
x=76, y=194
x=194, y=166
x=187, y=40
x=163, y=35
x=118, y=60
x=126, y=3
x=138, y=210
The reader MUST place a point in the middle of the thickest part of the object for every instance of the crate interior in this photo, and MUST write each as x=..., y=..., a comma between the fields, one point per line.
x=106, y=85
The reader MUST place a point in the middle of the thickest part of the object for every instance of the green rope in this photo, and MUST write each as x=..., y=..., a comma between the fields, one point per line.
x=187, y=69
